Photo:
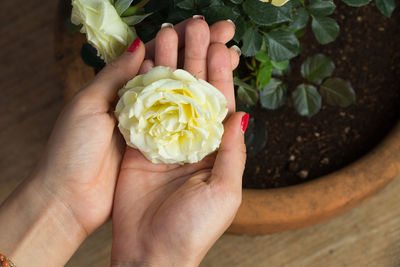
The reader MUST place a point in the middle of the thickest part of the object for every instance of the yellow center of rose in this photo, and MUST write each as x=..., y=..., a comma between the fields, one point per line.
x=171, y=117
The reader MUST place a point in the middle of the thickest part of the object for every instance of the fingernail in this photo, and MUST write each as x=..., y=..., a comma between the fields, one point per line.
x=237, y=49
x=231, y=22
x=245, y=122
x=167, y=25
x=134, y=45
x=199, y=17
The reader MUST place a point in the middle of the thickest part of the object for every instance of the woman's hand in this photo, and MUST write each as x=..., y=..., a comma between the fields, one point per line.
x=71, y=191
x=170, y=215
x=83, y=156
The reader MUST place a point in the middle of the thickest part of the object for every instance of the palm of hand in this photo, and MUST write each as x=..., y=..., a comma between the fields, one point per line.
x=175, y=213
x=160, y=205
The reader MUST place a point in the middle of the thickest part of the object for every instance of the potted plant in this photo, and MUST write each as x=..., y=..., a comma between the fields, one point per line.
x=322, y=103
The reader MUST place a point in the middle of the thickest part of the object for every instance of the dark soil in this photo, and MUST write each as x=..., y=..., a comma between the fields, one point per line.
x=366, y=53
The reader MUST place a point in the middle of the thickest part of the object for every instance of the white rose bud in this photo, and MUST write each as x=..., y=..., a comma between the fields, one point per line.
x=103, y=26
x=276, y=2
x=171, y=117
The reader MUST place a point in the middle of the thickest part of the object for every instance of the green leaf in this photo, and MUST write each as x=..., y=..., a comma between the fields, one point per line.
x=179, y=15
x=255, y=136
x=136, y=9
x=264, y=74
x=217, y=13
x=193, y=5
x=266, y=14
x=186, y=4
x=306, y=100
x=252, y=42
x=282, y=45
x=204, y=3
x=300, y=33
x=386, y=7
x=325, y=29
x=237, y=1
x=279, y=73
x=122, y=5
x=283, y=65
x=273, y=95
x=135, y=19
x=262, y=56
x=300, y=19
x=296, y=3
x=157, y=5
x=239, y=82
x=90, y=57
x=240, y=28
x=246, y=93
x=356, y=3
x=317, y=68
x=246, y=96
x=321, y=8
x=336, y=91
x=217, y=3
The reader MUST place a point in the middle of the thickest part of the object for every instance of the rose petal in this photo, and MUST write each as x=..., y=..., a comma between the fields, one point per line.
x=170, y=116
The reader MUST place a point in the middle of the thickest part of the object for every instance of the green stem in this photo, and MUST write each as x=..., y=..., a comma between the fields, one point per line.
x=133, y=9
x=142, y=3
x=129, y=12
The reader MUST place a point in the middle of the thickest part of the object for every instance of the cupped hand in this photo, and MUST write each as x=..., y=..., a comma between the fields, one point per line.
x=83, y=156
x=170, y=215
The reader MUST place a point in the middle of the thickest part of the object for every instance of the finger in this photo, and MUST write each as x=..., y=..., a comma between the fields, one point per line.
x=222, y=31
x=166, y=51
x=146, y=66
x=197, y=40
x=231, y=158
x=180, y=30
x=220, y=72
x=235, y=56
x=116, y=74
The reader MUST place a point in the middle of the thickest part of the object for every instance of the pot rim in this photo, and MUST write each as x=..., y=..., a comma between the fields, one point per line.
x=288, y=208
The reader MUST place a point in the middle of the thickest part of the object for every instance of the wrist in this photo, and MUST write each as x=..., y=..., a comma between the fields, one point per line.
x=135, y=259
x=39, y=229
x=150, y=262
x=126, y=254
x=127, y=251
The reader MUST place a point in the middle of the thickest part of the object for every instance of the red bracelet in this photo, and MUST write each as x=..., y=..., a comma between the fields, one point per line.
x=6, y=262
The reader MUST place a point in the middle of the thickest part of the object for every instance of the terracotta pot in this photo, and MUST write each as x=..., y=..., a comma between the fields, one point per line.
x=272, y=210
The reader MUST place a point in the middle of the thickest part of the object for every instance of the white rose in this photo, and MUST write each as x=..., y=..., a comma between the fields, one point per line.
x=171, y=117
x=276, y=2
x=103, y=26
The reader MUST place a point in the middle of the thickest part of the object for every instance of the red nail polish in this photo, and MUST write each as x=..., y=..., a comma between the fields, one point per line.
x=199, y=17
x=245, y=122
x=134, y=45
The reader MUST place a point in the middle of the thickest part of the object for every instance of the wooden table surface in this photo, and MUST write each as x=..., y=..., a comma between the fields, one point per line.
x=30, y=100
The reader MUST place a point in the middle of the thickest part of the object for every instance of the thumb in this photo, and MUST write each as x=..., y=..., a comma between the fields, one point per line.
x=231, y=158
x=117, y=73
